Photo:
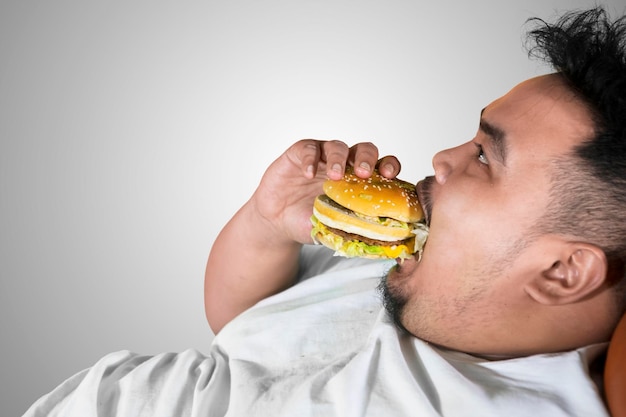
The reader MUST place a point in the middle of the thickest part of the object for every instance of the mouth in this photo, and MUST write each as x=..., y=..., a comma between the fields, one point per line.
x=406, y=262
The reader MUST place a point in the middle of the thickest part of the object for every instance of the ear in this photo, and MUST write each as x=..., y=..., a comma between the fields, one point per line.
x=575, y=271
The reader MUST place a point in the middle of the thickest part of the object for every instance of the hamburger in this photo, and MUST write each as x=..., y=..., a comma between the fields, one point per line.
x=374, y=217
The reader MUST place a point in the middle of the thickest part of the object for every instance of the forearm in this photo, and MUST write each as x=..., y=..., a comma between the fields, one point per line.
x=248, y=262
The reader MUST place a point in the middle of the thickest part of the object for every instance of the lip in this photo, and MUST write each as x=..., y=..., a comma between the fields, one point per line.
x=403, y=262
x=419, y=189
x=404, y=265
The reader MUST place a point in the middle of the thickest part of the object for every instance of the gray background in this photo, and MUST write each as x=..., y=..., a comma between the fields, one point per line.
x=131, y=131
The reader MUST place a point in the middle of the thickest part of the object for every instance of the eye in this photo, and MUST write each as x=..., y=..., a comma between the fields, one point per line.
x=480, y=155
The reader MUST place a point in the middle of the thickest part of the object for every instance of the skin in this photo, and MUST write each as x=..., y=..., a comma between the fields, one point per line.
x=487, y=283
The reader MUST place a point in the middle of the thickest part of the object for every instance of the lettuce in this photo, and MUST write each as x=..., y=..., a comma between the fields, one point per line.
x=355, y=248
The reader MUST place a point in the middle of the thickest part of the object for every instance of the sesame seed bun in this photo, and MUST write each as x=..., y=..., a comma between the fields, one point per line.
x=376, y=196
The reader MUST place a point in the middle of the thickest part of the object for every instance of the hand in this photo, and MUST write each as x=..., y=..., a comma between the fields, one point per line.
x=288, y=188
x=256, y=253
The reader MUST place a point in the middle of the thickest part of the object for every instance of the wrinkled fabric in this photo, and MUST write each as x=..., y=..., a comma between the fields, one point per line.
x=326, y=348
x=127, y=384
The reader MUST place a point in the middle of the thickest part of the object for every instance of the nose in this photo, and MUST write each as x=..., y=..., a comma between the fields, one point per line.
x=442, y=163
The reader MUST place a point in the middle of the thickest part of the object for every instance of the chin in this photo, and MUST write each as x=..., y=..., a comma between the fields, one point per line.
x=393, y=299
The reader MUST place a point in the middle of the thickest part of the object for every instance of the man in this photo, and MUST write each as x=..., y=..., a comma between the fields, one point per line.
x=520, y=284
x=526, y=244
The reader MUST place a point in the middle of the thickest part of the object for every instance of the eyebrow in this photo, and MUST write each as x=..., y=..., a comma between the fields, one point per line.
x=497, y=136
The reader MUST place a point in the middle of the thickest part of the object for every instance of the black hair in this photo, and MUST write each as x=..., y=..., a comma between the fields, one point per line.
x=588, y=50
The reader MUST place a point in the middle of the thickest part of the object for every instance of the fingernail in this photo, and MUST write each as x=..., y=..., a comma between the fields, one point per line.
x=337, y=167
x=388, y=168
x=364, y=165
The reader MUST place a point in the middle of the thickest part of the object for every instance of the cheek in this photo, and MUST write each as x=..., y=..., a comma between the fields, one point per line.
x=461, y=254
x=454, y=238
x=476, y=218
x=472, y=230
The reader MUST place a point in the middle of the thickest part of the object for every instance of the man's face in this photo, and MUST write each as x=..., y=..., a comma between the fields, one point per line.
x=467, y=292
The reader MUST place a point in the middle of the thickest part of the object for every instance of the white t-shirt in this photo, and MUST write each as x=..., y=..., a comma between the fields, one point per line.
x=326, y=348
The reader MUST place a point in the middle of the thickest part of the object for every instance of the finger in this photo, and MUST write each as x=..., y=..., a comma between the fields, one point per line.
x=389, y=166
x=308, y=152
x=335, y=153
x=363, y=157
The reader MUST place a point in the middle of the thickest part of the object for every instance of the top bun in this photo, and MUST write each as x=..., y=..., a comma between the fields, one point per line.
x=376, y=196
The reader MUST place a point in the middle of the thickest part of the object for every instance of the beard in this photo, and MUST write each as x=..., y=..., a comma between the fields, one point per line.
x=393, y=301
